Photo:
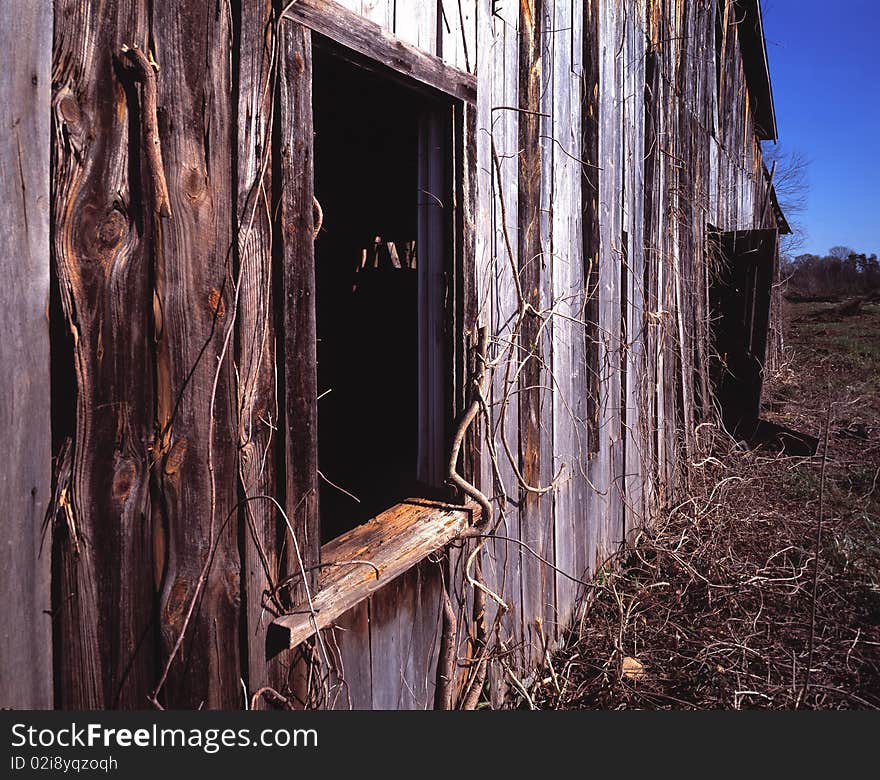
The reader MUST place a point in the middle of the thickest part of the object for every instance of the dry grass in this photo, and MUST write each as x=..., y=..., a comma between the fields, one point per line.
x=713, y=607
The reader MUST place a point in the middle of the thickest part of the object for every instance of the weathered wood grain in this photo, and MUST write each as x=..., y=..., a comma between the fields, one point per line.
x=102, y=226
x=458, y=33
x=533, y=262
x=416, y=24
x=25, y=637
x=498, y=225
x=610, y=161
x=349, y=640
x=569, y=398
x=368, y=38
x=403, y=640
x=297, y=328
x=196, y=452
x=393, y=542
x=258, y=406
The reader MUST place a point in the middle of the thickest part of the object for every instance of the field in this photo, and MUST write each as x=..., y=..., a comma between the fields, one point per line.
x=724, y=602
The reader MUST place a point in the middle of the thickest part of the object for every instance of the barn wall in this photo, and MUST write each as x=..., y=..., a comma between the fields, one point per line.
x=599, y=154
x=674, y=155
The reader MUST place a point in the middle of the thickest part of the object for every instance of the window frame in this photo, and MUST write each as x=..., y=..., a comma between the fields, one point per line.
x=364, y=44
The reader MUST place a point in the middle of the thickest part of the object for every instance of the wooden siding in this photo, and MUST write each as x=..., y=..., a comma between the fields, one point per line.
x=25, y=638
x=601, y=146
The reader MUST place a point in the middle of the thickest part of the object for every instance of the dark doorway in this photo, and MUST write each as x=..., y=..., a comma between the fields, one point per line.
x=739, y=299
x=367, y=181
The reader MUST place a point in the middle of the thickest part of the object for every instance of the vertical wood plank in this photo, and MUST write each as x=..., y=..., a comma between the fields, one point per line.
x=636, y=429
x=298, y=328
x=26, y=641
x=197, y=303
x=379, y=11
x=533, y=401
x=416, y=23
x=458, y=30
x=404, y=634
x=102, y=224
x=349, y=641
x=569, y=445
x=497, y=139
x=388, y=610
x=258, y=409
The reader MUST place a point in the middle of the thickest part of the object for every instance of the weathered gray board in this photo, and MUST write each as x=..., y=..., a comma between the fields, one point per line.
x=25, y=636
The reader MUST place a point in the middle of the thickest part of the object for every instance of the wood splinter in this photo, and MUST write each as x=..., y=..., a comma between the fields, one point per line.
x=145, y=68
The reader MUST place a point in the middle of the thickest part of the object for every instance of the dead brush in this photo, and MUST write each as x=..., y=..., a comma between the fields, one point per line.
x=712, y=607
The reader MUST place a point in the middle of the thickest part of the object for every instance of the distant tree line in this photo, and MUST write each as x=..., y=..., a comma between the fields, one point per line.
x=841, y=273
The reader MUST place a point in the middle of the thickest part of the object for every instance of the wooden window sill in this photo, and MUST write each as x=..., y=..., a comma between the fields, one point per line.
x=368, y=558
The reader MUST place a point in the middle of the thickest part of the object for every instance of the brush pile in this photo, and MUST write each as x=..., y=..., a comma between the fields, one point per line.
x=713, y=606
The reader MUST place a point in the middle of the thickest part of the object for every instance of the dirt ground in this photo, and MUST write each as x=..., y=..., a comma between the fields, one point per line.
x=722, y=605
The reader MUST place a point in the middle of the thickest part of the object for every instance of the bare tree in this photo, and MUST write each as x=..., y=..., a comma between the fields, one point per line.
x=790, y=169
x=841, y=252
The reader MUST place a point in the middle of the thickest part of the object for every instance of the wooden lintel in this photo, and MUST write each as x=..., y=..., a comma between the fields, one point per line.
x=368, y=558
x=367, y=38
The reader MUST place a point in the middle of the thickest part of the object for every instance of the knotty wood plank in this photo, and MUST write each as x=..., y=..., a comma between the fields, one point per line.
x=102, y=225
x=393, y=542
x=26, y=640
x=371, y=40
x=196, y=403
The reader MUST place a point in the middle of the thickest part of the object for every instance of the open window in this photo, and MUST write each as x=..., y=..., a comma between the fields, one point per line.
x=383, y=152
x=374, y=164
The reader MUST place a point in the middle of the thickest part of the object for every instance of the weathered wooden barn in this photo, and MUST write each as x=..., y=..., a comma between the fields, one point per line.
x=345, y=340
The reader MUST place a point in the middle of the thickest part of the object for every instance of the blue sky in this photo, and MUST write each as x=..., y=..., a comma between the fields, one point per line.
x=826, y=83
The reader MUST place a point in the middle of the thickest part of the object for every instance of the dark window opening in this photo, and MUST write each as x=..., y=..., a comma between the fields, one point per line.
x=375, y=293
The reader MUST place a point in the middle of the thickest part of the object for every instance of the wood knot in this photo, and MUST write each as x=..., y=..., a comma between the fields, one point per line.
x=233, y=587
x=123, y=480
x=215, y=303
x=111, y=230
x=70, y=111
x=175, y=458
x=299, y=63
x=175, y=607
x=195, y=185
